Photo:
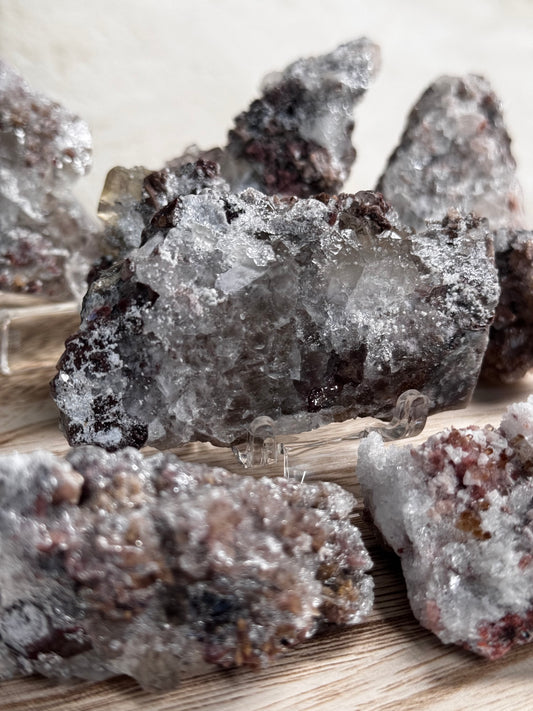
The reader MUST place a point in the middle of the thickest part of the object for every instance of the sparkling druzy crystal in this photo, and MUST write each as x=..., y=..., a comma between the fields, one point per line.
x=458, y=511
x=46, y=239
x=455, y=152
x=294, y=140
x=305, y=310
x=116, y=564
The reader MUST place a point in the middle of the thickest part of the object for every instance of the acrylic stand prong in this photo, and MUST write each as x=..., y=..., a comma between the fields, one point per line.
x=300, y=459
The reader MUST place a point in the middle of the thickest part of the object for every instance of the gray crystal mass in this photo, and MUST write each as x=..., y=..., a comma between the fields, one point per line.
x=46, y=239
x=509, y=353
x=455, y=152
x=115, y=564
x=294, y=140
x=305, y=310
x=458, y=511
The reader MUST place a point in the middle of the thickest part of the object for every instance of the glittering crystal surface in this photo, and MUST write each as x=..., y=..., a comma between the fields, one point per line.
x=305, y=310
x=116, y=564
x=510, y=351
x=131, y=198
x=294, y=140
x=458, y=512
x=455, y=153
x=45, y=236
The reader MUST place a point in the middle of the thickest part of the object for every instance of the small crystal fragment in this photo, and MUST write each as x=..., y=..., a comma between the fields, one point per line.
x=115, y=564
x=458, y=511
x=306, y=311
x=455, y=153
x=46, y=239
x=294, y=140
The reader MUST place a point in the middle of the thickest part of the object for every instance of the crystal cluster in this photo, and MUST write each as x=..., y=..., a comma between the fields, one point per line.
x=132, y=196
x=458, y=511
x=294, y=140
x=304, y=310
x=509, y=353
x=116, y=564
x=456, y=153
x=46, y=239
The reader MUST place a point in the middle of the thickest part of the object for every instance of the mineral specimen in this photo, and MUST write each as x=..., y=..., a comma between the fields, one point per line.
x=115, y=564
x=458, y=511
x=304, y=310
x=455, y=153
x=131, y=198
x=46, y=239
x=294, y=140
x=510, y=351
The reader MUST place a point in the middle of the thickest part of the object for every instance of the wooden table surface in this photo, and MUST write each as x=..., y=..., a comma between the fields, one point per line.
x=387, y=663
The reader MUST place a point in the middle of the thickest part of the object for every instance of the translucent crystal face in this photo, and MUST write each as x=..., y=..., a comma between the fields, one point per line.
x=455, y=153
x=306, y=311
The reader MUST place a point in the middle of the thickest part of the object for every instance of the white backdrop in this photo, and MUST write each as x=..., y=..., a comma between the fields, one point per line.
x=152, y=77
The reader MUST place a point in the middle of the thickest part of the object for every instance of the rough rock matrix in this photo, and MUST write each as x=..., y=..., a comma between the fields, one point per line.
x=294, y=140
x=458, y=511
x=509, y=354
x=305, y=310
x=133, y=196
x=115, y=564
x=46, y=239
x=456, y=153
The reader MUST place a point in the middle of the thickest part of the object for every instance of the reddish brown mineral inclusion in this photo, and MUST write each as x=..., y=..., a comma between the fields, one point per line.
x=458, y=511
x=117, y=564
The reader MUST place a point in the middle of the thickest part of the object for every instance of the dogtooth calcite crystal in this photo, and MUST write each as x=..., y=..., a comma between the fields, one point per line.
x=153, y=567
x=294, y=140
x=47, y=241
x=458, y=511
x=307, y=311
x=455, y=153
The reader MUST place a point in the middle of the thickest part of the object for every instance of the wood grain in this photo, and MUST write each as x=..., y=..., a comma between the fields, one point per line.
x=389, y=663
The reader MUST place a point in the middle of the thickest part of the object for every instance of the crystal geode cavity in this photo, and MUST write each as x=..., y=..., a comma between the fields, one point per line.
x=116, y=564
x=305, y=310
x=294, y=140
x=46, y=239
x=458, y=511
x=455, y=153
